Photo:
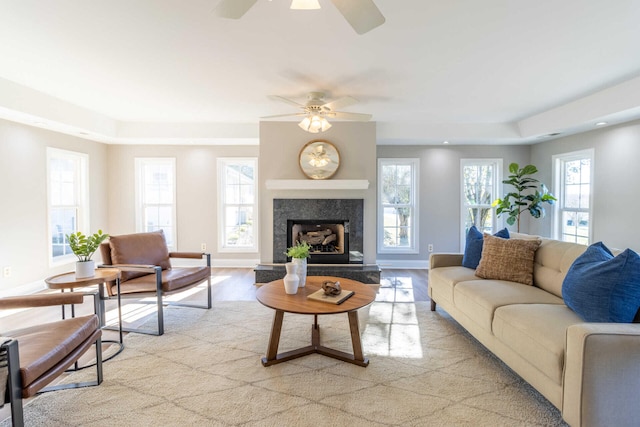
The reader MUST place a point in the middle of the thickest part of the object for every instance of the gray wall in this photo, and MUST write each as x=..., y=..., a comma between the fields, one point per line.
x=616, y=186
x=439, y=221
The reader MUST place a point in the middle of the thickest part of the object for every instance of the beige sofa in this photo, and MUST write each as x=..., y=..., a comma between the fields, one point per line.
x=589, y=371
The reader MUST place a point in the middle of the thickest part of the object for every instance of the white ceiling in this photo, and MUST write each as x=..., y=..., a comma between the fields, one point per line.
x=467, y=71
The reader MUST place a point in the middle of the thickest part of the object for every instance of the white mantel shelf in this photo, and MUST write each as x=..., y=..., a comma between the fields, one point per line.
x=317, y=184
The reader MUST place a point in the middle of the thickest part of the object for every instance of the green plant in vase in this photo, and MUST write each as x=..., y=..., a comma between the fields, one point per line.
x=84, y=247
x=529, y=196
x=299, y=254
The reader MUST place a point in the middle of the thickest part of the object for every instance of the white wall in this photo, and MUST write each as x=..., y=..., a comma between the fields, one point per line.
x=617, y=184
x=280, y=145
x=23, y=195
x=196, y=194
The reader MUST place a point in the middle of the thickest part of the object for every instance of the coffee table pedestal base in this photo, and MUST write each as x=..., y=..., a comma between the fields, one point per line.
x=273, y=358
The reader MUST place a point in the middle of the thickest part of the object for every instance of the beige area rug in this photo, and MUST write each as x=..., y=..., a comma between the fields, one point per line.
x=205, y=371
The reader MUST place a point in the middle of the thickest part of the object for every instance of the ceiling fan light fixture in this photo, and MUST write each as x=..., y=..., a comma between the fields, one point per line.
x=305, y=4
x=314, y=124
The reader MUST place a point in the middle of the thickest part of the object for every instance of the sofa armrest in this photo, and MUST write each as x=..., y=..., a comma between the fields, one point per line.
x=139, y=268
x=193, y=255
x=602, y=374
x=445, y=260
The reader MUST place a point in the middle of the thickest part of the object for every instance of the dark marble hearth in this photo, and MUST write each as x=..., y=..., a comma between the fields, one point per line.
x=369, y=274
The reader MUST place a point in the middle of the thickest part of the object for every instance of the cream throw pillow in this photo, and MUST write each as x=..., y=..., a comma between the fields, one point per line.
x=507, y=259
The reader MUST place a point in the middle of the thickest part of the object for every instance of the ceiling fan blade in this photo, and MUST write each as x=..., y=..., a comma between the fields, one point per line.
x=350, y=116
x=340, y=103
x=288, y=101
x=284, y=115
x=362, y=15
x=233, y=9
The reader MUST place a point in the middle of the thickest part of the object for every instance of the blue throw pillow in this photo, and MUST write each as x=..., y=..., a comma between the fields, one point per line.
x=602, y=288
x=473, y=246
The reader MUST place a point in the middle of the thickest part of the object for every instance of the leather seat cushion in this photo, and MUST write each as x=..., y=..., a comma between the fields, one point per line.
x=173, y=279
x=42, y=347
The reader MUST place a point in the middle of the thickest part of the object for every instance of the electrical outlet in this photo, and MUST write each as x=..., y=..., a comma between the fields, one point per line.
x=6, y=272
x=203, y=246
x=430, y=247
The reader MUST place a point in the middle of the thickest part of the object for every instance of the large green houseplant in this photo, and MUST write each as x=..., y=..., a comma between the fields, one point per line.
x=84, y=247
x=529, y=195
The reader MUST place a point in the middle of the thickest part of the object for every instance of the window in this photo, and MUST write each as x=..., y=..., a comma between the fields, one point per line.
x=573, y=178
x=398, y=208
x=68, y=200
x=480, y=180
x=237, y=196
x=155, y=197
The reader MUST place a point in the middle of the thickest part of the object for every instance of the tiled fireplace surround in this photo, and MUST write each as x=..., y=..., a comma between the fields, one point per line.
x=350, y=210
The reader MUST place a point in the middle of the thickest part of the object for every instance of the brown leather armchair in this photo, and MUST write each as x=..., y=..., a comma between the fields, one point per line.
x=37, y=355
x=145, y=263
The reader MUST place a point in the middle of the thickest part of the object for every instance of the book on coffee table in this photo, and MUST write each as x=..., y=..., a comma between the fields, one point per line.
x=319, y=295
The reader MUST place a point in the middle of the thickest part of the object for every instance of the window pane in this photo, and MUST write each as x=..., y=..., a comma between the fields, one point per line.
x=237, y=184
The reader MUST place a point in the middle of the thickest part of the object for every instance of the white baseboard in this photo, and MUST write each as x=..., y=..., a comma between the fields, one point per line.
x=234, y=263
x=26, y=289
x=400, y=263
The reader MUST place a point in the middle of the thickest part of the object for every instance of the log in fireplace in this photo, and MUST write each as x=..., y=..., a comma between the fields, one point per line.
x=328, y=238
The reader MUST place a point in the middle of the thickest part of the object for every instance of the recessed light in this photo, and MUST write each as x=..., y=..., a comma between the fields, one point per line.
x=445, y=142
x=601, y=123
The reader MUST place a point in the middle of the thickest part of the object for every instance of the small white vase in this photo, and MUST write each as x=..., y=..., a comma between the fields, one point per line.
x=291, y=279
x=85, y=269
x=302, y=270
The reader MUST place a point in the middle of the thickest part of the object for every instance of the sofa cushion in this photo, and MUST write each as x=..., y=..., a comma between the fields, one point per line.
x=473, y=246
x=141, y=249
x=479, y=299
x=537, y=332
x=507, y=259
x=601, y=287
x=444, y=279
x=553, y=260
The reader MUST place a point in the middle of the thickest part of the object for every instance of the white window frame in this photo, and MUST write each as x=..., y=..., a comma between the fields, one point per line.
x=140, y=164
x=222, y=164
x=558, y=161
x=414, y=248
x=81, y=189
x=497, y=223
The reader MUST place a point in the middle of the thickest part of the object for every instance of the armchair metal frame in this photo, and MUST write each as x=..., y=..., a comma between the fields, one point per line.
x=11, y=350
x=160, y=302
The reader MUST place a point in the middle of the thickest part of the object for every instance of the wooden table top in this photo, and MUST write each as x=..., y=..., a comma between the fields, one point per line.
x=69, y=280
x=273, y=296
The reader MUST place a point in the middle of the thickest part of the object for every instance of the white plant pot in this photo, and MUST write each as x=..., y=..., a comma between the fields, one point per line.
x=302, y=270
x=291, y=279
x=85, y=269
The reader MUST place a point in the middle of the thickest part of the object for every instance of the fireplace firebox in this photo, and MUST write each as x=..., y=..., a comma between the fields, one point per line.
x=328, y=238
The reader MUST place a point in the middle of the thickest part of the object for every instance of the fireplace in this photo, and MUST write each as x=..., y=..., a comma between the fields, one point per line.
x=313, y=217
x=328, y=238
x=318, y=219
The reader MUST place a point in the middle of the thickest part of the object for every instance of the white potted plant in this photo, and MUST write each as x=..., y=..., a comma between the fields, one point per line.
x=299, y=254
x=84, y=247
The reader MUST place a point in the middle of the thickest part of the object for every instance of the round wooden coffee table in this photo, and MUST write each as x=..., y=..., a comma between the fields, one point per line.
x=273, y=296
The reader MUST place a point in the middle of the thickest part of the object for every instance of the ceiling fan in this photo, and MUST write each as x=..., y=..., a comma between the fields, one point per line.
x=316, y=110
x=362, y=15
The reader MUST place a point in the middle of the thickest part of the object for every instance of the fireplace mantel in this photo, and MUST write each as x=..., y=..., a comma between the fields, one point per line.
x=317, y=184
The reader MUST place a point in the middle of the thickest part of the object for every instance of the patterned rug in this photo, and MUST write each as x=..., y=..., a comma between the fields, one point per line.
x=424, y=371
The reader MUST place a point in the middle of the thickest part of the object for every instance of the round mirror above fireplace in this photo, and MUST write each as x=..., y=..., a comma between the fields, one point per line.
x=319, y=159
